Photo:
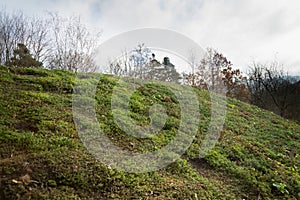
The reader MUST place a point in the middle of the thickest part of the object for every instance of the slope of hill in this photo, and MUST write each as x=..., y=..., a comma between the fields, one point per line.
x=42, y=157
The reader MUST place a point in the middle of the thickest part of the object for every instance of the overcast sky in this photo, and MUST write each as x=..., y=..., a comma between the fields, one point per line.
x=243, y=30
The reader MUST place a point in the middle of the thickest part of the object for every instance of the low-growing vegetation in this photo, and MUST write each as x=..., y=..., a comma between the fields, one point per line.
x=42, y=157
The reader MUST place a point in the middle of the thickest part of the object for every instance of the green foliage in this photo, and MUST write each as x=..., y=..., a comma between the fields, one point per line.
x=23, y=58
x=257, y=155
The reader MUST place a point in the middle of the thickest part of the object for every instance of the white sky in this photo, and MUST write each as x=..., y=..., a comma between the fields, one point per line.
x=243, y=30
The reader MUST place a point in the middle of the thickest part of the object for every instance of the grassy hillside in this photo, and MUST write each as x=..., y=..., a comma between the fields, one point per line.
x=42, y=157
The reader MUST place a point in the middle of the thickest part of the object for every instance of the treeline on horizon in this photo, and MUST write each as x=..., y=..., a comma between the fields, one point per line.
x=54, y=42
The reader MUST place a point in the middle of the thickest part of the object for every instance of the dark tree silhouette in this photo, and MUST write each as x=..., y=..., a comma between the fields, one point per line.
x=23, y=58
x=271, y=88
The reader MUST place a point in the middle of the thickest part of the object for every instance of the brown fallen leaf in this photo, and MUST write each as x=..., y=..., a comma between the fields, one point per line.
x=25, y=179
x=28, y=171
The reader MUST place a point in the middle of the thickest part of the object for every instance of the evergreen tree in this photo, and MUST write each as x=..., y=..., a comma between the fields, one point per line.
x=164, y=71
x=23, y=58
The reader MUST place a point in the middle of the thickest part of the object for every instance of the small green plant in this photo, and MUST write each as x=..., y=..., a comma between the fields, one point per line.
x=281, y=187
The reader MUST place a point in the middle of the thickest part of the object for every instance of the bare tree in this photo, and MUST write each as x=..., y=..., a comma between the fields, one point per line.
x=16, y=29
x=191, y=77
x=38, y=39
x=124, y=65
x=133, y=63
x=255, y=84
x=141, y=63
x=12, y=32
x=56, y=42
x=209, y=73
x=140, y=58
x=215, y=72
x=73, y=46
x=271, y=88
